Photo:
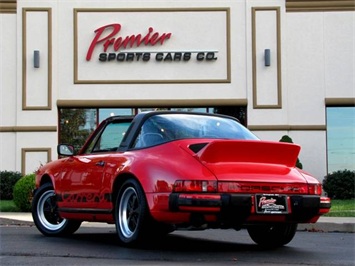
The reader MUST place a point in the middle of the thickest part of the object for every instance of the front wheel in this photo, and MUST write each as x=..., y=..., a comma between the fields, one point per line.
x=46, y=216
x=272, y=236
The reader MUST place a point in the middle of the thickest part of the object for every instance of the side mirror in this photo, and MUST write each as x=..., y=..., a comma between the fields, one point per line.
x=65, y=150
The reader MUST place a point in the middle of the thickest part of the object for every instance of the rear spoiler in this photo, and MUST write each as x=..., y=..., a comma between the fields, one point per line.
x=250, y=151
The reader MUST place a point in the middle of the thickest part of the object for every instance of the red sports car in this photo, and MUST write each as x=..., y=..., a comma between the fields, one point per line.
x=161, y=171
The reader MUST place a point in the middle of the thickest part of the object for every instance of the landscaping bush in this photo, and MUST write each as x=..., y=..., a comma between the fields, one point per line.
x=23, y=192
x=287, y=139
x=340, y=184
x=8, y=180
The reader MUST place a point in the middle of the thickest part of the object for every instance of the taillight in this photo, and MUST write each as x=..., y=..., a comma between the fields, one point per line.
x=315, y=189
x=195, y=186
x=247, y=187
x=229, y=187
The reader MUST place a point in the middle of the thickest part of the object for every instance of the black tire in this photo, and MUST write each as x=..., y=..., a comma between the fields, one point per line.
x=131, y=213
x=45, y=214
x=272, y=236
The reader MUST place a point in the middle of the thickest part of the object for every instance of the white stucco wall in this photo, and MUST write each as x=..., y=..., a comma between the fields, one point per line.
x=320, y=62
x=339, y=50
x=8, y=90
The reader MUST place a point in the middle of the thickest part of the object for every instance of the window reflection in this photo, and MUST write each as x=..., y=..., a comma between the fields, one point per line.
x=341, y=138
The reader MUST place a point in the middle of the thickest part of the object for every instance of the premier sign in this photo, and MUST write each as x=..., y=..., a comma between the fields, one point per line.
x=157, y=46
x=111, y=40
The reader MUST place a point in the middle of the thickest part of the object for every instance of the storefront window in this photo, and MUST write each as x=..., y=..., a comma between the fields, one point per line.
x=239, y=112
x=75, y=125
x=341, y=138
x=107, y=112
x=197, y=110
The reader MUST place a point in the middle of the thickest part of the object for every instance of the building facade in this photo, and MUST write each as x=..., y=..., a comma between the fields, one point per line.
x=280, y=65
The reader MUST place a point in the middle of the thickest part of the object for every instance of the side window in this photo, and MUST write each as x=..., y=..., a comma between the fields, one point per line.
x=110, y=138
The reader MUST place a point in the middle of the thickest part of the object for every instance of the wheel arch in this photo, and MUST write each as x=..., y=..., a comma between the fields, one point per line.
x=119, y=180
x=46, y=179
x=145, y=186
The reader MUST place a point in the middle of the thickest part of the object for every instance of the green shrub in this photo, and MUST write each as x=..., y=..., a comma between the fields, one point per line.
x=340, y=184
x=287, y=139
x=23, y=192
x=8, y=180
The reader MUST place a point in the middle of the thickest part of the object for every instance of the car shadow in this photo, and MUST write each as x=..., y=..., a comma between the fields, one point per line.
x=192, y=244
x=171, y=242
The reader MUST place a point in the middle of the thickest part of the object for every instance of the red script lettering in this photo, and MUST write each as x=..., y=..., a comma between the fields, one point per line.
x=110, y=39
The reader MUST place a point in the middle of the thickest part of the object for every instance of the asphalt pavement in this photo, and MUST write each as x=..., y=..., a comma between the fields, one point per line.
x=324, y=224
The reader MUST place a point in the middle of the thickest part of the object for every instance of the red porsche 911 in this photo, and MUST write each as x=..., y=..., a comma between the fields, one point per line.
x=161, y=171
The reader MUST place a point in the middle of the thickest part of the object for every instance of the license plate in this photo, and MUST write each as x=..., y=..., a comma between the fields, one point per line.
x=271, y=204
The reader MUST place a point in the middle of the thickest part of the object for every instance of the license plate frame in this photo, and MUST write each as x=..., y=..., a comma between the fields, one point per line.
x=271, y=204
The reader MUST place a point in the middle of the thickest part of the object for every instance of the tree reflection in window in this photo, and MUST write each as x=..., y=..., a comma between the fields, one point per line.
x=76, y=125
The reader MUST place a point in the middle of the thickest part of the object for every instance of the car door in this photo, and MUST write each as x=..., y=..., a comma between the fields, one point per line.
x=82, y=184
x=82, y=181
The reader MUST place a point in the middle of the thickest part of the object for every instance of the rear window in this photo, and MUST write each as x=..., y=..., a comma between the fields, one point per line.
x=162, y=128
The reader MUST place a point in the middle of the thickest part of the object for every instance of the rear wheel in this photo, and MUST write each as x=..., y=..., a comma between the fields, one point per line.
x=46, y=216
x=132, y=214
x=272, y=236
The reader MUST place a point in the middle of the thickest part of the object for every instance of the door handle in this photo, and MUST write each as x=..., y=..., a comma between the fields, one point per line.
x=100, y=163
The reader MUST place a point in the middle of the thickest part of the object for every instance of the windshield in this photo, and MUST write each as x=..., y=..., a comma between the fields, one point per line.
x=161, y=128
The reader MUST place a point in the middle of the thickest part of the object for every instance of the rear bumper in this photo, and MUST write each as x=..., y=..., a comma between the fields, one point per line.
x=240, y=208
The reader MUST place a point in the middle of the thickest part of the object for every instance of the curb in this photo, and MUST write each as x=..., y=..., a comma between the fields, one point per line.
x=327, y=227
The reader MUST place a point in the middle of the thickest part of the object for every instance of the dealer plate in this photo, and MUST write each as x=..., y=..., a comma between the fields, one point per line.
x=271, y=204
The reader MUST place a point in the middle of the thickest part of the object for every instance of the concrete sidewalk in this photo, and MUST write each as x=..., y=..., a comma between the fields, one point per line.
x=18, y=217
x=324, y=224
